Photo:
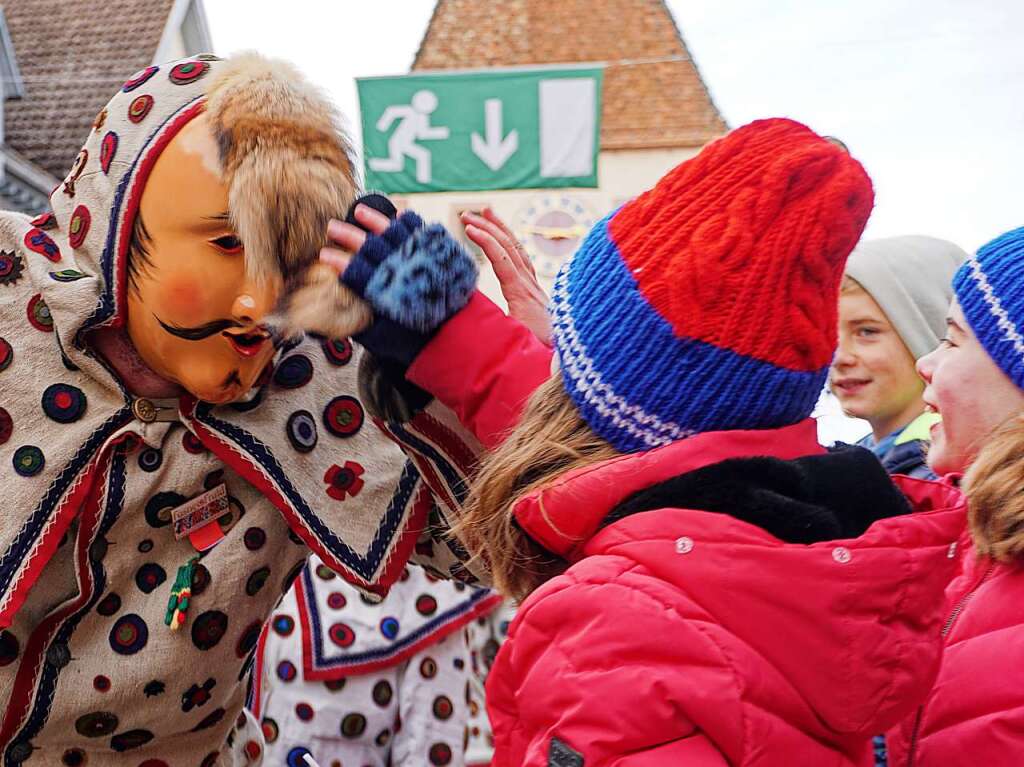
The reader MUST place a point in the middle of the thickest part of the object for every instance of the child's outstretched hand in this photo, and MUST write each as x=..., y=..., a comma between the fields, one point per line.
x=413, y=276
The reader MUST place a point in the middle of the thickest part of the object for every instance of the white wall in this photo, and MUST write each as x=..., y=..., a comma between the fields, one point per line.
x=621, y=174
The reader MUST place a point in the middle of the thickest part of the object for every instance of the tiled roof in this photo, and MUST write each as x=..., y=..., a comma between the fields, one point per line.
x=73, y=55
x=653, y=94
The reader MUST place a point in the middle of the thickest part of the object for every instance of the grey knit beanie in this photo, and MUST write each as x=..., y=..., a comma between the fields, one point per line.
x=910, y=278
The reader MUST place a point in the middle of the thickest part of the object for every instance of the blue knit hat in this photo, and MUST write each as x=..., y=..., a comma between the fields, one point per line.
x=990, y=290
x=709, y=303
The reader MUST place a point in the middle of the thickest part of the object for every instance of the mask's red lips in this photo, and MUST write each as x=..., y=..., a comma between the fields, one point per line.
x=248, y=344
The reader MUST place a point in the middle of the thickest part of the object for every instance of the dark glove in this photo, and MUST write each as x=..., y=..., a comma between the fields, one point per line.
x=414, y=277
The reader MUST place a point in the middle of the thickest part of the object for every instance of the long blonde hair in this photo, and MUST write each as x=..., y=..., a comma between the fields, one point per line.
x=994, y=485
x=551, y=438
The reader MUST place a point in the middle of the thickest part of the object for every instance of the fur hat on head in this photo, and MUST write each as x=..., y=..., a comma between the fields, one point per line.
x=288, y=168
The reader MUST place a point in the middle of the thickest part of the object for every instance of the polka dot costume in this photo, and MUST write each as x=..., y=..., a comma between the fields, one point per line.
x=91, y=672
x=402, y=698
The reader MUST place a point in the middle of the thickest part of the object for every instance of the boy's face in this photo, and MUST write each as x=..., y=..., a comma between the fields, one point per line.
x=193, y=312
x=873, y=372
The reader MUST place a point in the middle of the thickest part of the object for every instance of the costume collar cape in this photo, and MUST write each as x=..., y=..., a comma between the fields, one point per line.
x=63, y=275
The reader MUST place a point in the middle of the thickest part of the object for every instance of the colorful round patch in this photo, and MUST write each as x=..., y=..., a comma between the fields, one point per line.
x=210, y=720
x=200, y=580
x=343, y=416
x=428, y=668
x=108, y=150
x=28, y=460
x=353, y=725
x=297, y=757
x=382, y=693
x=145, y=546
x=40, y=242
x=6, y=426
x=150, y=459
x=335, y=685
x=286, y=671
x=44, y=221
x=304, y=711
x=383, y=738
x=81, y=219
x=191, y=443
x=337, y=352
x=270, y=729
x=389, y=627
x=426, y=604
x=294, y=372
x=139, y=108
x=440, y=755
x=257, y=581
x=149, y=577
x=39, y=314
x=336, y=600
x=342, y=634
x=96, y=725
x=188, y=72
x=11, y=267
x=324, y=573
x=109, y=605
x=208, y=629
x=101, y=683
x=443, y=707
x=126, y=741
x=67, y=275
x=64, y=403
x=254, y=538
x=129, y=635
x=248, y=640
x=139, y=79
x=283, y=625
x=301, y=431
x=9, y=648
x=73, y=757
x=159, y=507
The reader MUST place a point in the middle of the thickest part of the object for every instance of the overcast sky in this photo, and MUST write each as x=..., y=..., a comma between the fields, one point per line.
x=928, y=94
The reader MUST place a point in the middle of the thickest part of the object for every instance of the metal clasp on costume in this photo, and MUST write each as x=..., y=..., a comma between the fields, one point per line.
x=149, y=411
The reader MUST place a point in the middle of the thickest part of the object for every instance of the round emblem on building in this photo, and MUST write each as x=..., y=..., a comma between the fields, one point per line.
x=551, y=228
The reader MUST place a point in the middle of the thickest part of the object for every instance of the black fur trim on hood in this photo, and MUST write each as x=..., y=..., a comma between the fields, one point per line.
x=816, y=498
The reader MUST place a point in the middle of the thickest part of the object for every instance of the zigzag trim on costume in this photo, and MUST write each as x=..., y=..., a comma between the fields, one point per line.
x=995, y=306
x=93, y=577
x=376, y=570
x=318, y=666
x=35, y=543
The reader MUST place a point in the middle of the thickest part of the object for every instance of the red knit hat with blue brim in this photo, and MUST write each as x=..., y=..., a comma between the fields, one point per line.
x=709, y=303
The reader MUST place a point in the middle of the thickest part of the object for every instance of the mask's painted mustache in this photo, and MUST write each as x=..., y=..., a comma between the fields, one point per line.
x=200, y=332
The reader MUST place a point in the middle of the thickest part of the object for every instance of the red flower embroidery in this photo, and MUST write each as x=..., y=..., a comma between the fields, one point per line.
x=344, y=480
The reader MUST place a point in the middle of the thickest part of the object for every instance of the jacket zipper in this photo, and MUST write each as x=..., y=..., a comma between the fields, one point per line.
x=946, y=628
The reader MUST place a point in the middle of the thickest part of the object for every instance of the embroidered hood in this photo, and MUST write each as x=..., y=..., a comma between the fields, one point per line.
x=847, y=624
x=64, y=275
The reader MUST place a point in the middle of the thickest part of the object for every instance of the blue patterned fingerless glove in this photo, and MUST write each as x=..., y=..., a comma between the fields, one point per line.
x=414, y=277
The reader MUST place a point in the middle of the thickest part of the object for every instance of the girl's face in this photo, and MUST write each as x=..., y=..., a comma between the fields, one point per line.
x=969, y=391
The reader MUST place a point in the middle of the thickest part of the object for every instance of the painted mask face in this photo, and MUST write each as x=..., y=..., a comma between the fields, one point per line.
x=193, y=312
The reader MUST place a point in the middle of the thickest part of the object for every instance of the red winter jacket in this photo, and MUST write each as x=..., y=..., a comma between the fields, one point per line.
x=974, y=715
x=689, y=637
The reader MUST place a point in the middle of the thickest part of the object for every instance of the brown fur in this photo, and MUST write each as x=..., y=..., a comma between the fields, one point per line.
x=288, y=168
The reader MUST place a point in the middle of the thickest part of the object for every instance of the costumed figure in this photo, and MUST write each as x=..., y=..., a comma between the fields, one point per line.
x=169, y=464
x=352, y=681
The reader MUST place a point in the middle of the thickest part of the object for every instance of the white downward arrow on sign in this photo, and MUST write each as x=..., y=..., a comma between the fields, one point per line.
x=495, y=151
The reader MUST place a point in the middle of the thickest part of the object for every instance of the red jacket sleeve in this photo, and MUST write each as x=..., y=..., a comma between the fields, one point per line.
x=606, y=676
x=483, y=365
